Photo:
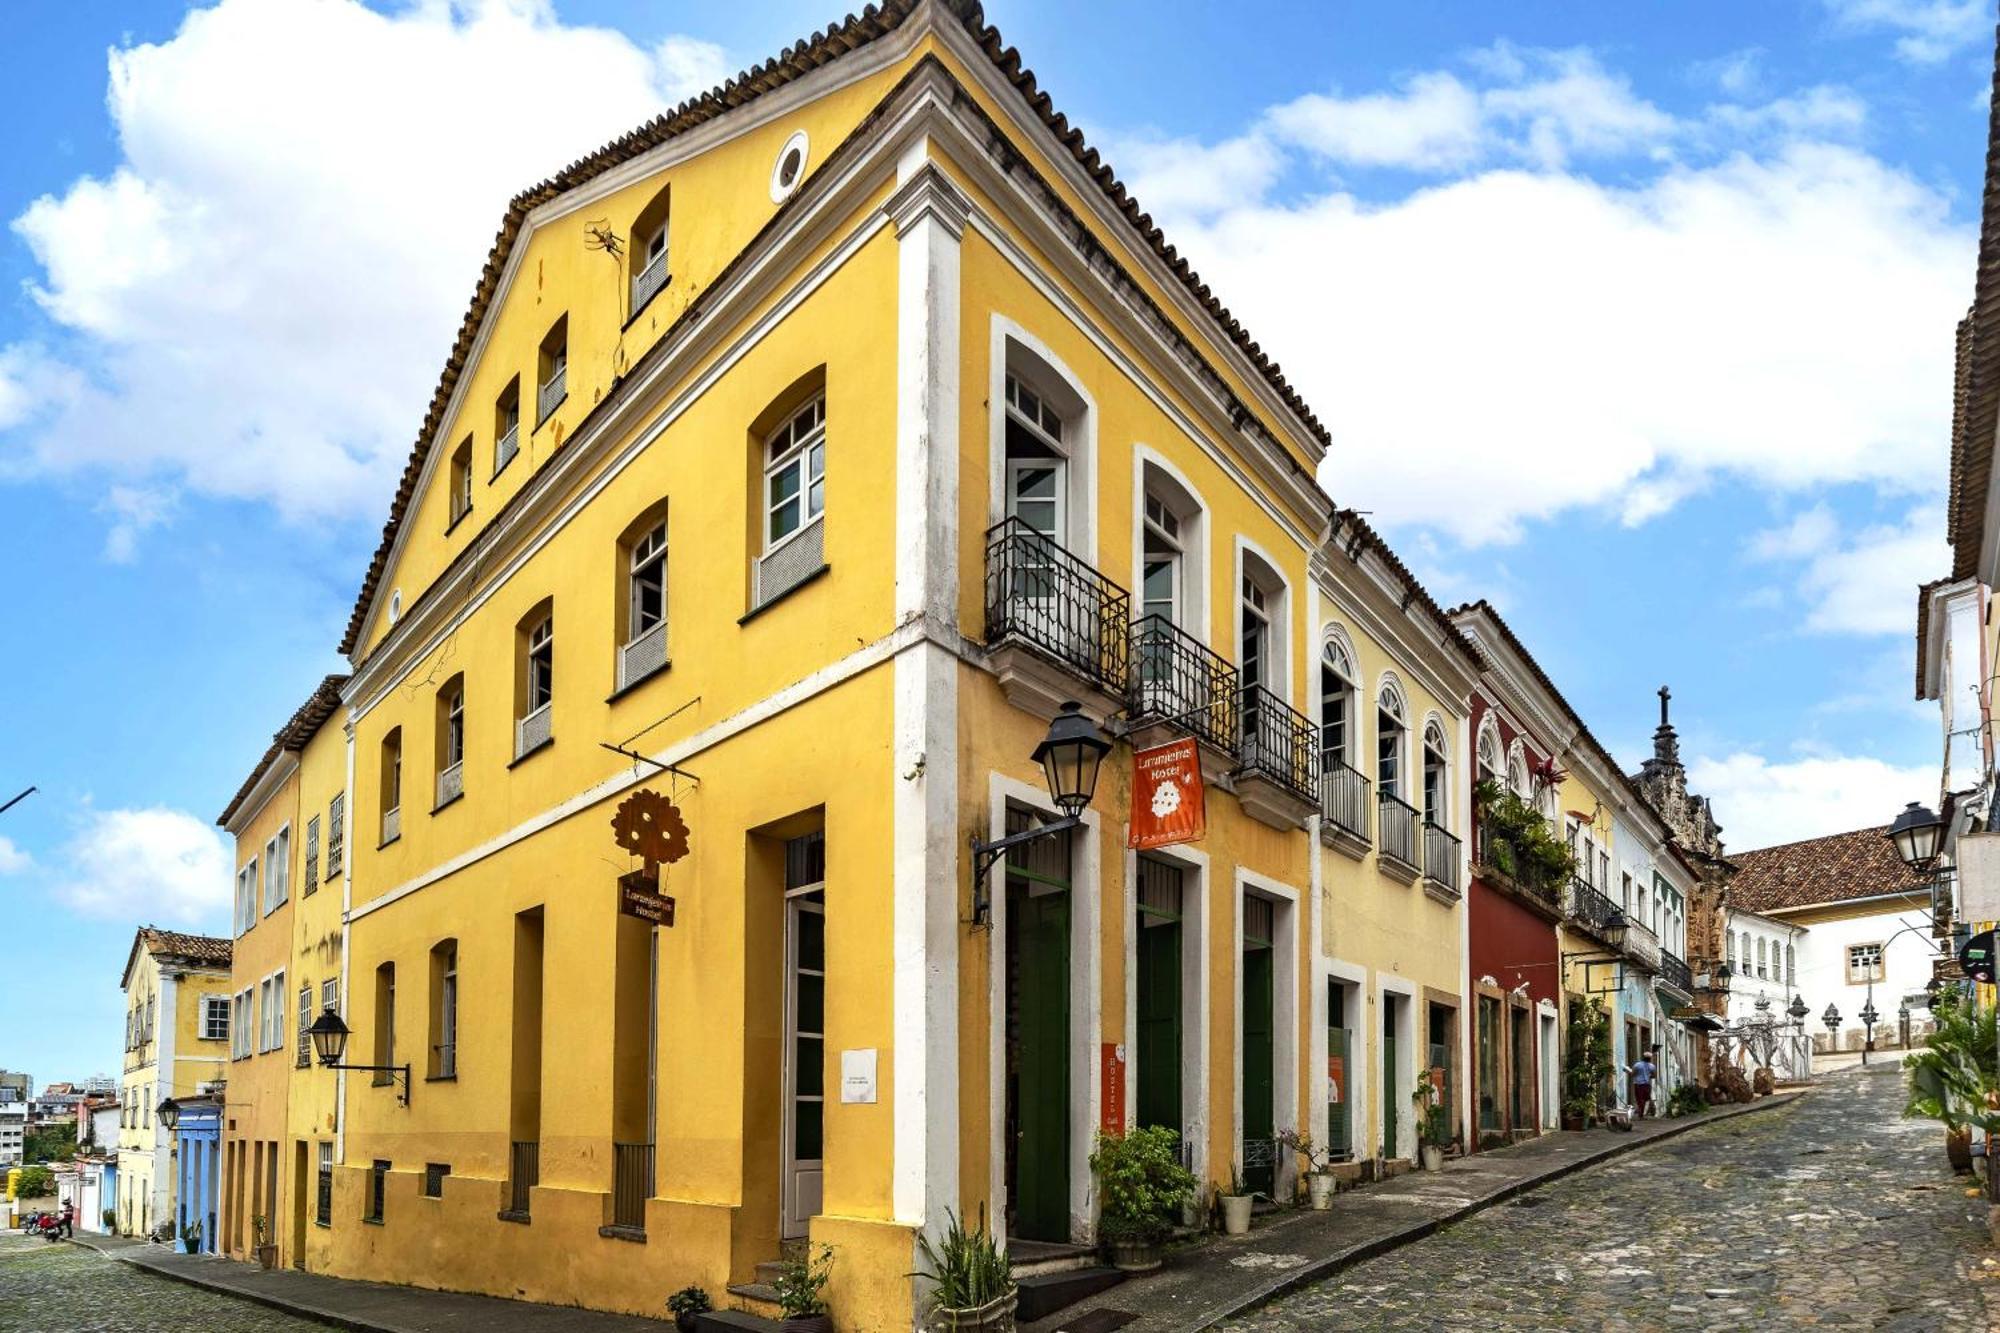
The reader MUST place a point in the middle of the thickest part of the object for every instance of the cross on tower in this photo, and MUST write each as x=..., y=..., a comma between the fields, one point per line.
x=1665, y=694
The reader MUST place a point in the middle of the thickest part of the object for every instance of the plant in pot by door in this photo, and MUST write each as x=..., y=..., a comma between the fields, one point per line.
x=1143, y=1187
x=1318, y=1167
x=1955, y=1080
x=1236, y=1204
x=972, y=1287
x=801, y=1284
x=190, y=1242
x=267, y=1251
x=1433, y=1125
x=1587, y=1073
x=685, y=1305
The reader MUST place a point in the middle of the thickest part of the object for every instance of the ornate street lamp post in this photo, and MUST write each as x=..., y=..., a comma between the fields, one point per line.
x=1919, y=837
x=1868, y=1017
x=1832, y=1020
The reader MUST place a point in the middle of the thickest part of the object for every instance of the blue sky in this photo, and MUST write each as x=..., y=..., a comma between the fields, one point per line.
x=1634, y=319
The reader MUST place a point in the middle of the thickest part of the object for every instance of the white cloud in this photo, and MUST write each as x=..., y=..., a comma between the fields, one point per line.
x=1859, y=582
x=1760, y=802
x=1435, y=123
x=13, y=860
x=146, y=865
x=1765, y=302
x=1739, y=73
x=259, y=301
x=1931, y=29
x=134, y=509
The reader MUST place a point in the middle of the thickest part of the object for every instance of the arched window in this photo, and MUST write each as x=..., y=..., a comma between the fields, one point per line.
x=648, y=257
x=1791, y=966
x=385, y=1021
x=1262, y=652
x=535, y=679
x=1172, y=550
x=1437, y=785
x=451, y=740
x=790, y=537
x=1760, y=955
x=1338, y=727
x=1043, y=442
x=1391, y=722
x=1037, y=459
x=1517, y=771
x=1488, y=757
x=642, y=607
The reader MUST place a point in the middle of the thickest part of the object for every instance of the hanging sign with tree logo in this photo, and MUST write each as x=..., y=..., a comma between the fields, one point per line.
x=1168, y=805
x=650, y=827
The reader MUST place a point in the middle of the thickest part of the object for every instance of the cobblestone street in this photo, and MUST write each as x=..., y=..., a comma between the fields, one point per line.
x=48, y=1288
x=1832, y=1213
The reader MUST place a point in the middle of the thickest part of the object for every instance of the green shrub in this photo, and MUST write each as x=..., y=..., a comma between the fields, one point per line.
x=689, y=1300
x=1141, y=1182
x=802, y=1280
x=1686, y=1100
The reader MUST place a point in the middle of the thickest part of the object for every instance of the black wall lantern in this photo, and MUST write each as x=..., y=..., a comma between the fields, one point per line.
x=329, y=1039
x=169, y=1113
x=1918, y=835
x=1070, y=756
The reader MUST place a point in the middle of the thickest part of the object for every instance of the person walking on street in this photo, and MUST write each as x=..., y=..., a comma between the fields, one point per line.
x=1642, y=1086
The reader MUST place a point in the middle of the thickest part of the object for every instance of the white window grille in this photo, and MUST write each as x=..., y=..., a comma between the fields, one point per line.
x=645, y=651
x=794, y=500
x=507, y=428
x=312, y=855
x=215, y=1018
x=554, y=387
x=336, y=833
x=535, y=727
x=646, y=283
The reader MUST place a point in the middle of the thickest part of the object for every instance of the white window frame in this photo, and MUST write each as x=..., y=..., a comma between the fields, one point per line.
x=329, y=995
x=1441, y=818
x=215, y=1018
x=1390, y=703
x=1876, y=971
x=541, y=691
x=447, y=1052
x=1336, y=657
x=649, y=554
x=454, y=726
x=277, y=869
x=795, y=457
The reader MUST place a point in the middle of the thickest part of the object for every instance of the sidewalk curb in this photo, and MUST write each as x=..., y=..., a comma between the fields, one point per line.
x=1326, y=1267
x=269, y=1302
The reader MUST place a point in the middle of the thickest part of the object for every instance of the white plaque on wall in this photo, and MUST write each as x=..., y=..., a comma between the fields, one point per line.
x=857, y=1076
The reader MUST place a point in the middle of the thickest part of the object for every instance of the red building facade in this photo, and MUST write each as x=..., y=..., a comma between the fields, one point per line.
x=1513, y=962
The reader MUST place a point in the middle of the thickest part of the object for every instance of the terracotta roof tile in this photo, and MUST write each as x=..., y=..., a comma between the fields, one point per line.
x=208, y=949
x=1976, y=383
x=795, y=61
x=1832, y=869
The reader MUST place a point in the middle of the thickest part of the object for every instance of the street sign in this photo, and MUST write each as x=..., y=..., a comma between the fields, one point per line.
x=1977, y=957
x=638, y=897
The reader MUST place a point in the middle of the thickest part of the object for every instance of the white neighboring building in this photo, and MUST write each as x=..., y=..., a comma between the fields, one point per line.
x=1764, y=955
x=1862, y=924
x=13, y=1132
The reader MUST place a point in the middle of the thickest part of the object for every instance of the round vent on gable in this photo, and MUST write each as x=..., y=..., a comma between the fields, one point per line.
x=395, y=605
x=789, y=169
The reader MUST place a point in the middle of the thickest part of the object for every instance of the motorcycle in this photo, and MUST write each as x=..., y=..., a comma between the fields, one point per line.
x=44, y=1224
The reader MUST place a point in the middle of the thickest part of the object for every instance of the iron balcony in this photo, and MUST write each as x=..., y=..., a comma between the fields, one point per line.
x=1180, y=680
x=1040, y=596
x=1279, y=743
x=1594, y=912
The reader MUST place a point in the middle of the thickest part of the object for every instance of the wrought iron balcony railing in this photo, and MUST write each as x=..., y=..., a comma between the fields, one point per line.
x=1441, y=856
x=1675, y=972
x=1399, y=821
x=1501, y=860
x=1178, y=679
x=1279, y=742
x=1040, y=595
x=1343, y=798
x=1594, y=912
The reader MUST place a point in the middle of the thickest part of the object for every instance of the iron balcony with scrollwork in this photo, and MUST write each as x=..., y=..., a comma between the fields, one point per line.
x=1278, y=782
x=1179, y=680
x=1641, y=945
x=1594, y=912
x=1053, y=623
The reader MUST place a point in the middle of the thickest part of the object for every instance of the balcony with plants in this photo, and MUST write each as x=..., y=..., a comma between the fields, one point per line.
x=1517, y=851
x=1056, y=628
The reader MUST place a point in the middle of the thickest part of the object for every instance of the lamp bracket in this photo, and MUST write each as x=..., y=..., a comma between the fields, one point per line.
x=397, y=1074
x=985, y=855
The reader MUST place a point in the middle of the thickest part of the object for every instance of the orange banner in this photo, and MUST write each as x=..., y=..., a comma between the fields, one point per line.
x=1168, y=804
x=1336, y=1078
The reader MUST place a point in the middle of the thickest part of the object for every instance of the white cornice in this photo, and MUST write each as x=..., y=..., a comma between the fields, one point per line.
x=1371, y=598
x=270, y=779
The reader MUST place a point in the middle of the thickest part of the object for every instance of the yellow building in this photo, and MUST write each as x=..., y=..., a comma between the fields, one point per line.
x=939, y=434
x=176, y=1039
x=271, y=1000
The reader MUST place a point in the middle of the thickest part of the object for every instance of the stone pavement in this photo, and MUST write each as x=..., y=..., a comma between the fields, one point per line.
x=48, y=1288
x=233, y=1288
x=1223, y=1276
x=1834, y=1212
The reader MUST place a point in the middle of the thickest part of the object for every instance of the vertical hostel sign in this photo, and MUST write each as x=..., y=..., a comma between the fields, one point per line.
x=1167, y=797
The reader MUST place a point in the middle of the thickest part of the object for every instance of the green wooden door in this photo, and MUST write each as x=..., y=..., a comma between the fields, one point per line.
x=1038, y=1060
x=1159, y=1036
x=1259, y=1089
x=1391, y=1096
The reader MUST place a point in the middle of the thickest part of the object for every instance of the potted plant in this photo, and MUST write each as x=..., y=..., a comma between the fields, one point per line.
x=1955, y=1080
x=190, y=1241
x=972, y=1286
x=685, y=1304
x=1143, y=1187
x=1433, y=1124
x=801, y=1283
x=1236, y=1205
x=110, y=1221
x=267, y=1250
x=1318, y=1167
x=1588, y=1072
x=1516, y=842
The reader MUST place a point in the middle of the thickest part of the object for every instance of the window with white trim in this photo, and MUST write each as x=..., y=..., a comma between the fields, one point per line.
x=1391, y=721
x=795, y=473
x=1336, y=705
x=1437, y=785
x=336, y=833
x=277, y=869
x=461, y=483
x=215, y=1018
x=312, y=856
x=246, y=895
x=1864, y=964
